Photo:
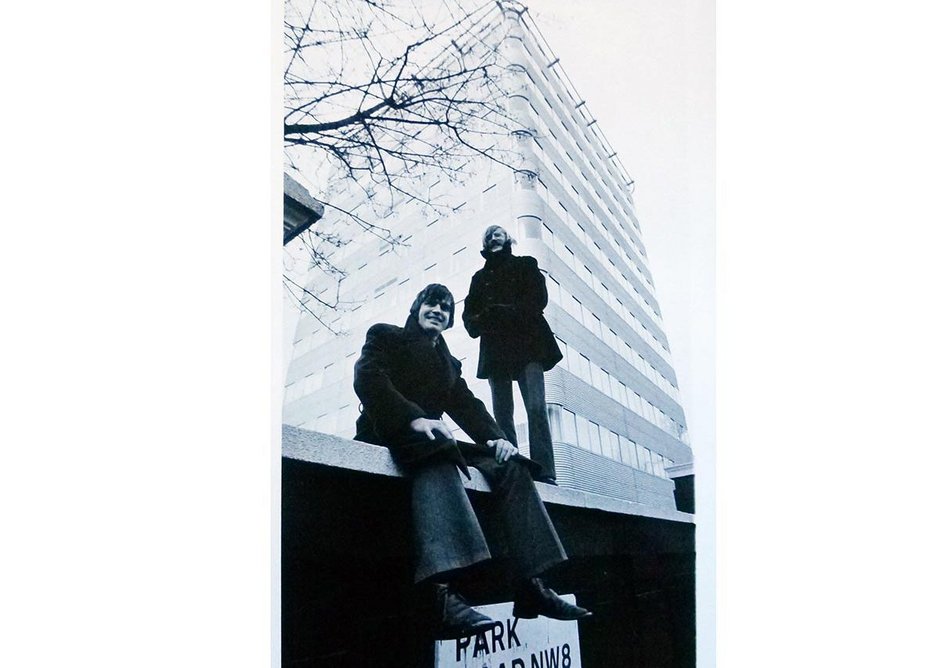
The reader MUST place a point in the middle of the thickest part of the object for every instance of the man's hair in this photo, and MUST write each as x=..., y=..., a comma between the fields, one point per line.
x=488, y=234
x=436, y=294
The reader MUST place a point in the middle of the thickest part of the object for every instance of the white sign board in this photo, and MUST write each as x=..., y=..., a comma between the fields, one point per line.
x=514, y=643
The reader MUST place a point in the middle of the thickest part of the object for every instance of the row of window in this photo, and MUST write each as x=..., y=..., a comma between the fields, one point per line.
x=574, y=362
x=596, y=377
x=330, y=373
x=613, y=195
x=638, y=270
x=395, y=292
x=575, y=429
x=340, y=422
x=613, y=302
x=575, y=190
x=565, y=425
x=615, y=343
x=604, y=260
x=592, y=322
x=561, y=212
x=593, y=374
x=583, y=272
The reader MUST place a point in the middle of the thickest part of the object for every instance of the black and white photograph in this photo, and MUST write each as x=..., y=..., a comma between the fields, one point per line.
x=490, y=334
x=498, y=279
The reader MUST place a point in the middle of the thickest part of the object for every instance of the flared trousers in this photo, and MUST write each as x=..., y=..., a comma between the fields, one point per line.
x=447, y=533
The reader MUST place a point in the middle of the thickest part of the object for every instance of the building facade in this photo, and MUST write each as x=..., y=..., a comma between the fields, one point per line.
x=614, y=408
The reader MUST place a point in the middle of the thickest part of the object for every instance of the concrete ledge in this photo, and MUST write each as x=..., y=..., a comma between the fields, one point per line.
x=333, y=451
x=680, y=470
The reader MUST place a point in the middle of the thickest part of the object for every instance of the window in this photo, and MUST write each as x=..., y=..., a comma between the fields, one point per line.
x=606, y=448
x=630, y=455
x=620, y=390
x=585, y=367
x=554, y=421
x=583, y=272
x=658, y=466
x=595, y=326
x=615, y=446
x=574, y=362
x=635, y=401
x=568, y=426
x=564, y=363
x=577, y=310
x=629, y=354
x=554, y=290
x=548, y=237
x=594, y=437
x=583, y=432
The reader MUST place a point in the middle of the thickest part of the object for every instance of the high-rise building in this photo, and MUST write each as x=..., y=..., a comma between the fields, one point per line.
x=616, y=420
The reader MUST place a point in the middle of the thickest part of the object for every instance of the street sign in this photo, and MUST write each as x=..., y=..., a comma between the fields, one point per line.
x=514, y=643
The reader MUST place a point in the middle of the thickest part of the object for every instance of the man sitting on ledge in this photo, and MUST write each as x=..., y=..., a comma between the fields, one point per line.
x=406, y=379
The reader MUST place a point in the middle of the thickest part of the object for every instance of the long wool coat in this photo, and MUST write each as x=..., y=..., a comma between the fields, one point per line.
x=401, y=376
x=504, y=309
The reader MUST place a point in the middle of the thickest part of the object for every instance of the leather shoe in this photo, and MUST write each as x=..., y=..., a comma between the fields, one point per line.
x=456, y=619
x=548, y=480
x=534, y=599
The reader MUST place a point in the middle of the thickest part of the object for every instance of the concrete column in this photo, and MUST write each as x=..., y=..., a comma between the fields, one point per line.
x=527, y=206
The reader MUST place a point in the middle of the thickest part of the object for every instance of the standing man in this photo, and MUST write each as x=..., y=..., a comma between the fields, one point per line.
x=504, y=308
x=406, y=379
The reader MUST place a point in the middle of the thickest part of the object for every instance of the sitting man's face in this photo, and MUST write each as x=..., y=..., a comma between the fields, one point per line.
x=433, y=316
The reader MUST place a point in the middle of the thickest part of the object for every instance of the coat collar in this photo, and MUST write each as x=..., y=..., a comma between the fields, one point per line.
x=415, y=336
x=497, y=258
x=415, y=333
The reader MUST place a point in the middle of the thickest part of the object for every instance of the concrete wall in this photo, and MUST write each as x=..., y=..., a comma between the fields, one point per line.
x=347, y=594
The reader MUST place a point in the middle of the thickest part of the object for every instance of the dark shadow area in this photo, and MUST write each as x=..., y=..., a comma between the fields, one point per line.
x=348, y=598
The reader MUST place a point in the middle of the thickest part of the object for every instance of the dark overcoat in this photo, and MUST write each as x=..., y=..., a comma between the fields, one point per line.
x=403, y=375
x=504, y=308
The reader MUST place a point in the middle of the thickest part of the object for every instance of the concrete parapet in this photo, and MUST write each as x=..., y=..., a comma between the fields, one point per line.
x=347, y=594
x=340, y=453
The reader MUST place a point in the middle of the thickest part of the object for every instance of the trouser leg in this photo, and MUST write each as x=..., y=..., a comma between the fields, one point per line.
x=532, y=540
x=447, y=535
x=531, y=384
x=503, y=408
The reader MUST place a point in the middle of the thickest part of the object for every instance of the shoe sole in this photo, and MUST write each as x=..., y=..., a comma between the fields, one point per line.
x=562, y=619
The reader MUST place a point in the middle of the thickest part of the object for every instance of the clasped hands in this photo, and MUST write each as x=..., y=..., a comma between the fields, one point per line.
x=504, y=450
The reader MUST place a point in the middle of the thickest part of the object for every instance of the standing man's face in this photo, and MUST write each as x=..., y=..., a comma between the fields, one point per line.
x=434, y=316
x=497, y=239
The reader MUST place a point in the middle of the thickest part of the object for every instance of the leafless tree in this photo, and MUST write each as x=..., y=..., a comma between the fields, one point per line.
x=382, y=99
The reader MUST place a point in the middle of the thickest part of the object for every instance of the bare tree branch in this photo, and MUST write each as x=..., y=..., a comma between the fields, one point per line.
x=383, y=97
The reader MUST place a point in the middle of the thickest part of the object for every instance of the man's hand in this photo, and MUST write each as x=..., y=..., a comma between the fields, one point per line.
x=428, y=427
x=504, y=449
